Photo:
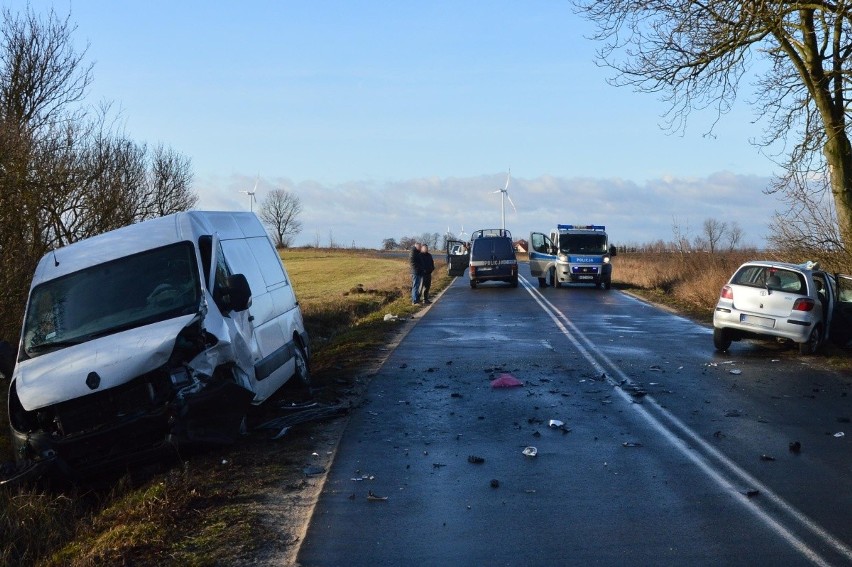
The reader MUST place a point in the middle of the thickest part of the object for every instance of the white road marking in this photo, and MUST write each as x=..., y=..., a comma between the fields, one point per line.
x=715, y=473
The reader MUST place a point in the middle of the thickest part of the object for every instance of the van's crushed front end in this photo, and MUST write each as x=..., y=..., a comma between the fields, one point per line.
x=122, y=362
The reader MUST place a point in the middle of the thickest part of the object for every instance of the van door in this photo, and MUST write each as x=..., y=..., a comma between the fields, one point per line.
x=542, y=255
x=458, y=257
x=841, y=324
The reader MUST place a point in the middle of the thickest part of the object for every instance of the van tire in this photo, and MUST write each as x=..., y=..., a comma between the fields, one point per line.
x=542, y=282
x=514, y=281
x=472, y=284
x=303, y=371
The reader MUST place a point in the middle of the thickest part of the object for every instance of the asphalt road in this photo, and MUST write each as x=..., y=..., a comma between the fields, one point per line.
x=670, y=453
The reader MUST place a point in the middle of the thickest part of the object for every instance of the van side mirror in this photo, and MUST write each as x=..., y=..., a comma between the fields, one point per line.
x=612, y=251
x=237, y=296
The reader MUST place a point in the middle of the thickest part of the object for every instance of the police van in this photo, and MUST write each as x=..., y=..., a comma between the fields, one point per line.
x=572, y=254
x=153, y=335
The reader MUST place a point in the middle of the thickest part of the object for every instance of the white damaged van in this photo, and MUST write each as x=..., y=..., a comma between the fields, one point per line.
x=150, y=336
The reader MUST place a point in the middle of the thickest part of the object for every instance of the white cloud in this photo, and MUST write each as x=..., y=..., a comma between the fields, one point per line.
x=366, y=212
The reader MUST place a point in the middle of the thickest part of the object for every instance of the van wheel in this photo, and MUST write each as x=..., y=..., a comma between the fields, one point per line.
x=514, y=281
x=542, y=282
x=303, y=373
x=607, y=283
x=813, y=342
x=472, y=284
x=721, y=339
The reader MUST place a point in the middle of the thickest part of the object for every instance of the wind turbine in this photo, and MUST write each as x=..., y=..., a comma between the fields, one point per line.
x=462, y=233
x=252, y=198
x=504, y=193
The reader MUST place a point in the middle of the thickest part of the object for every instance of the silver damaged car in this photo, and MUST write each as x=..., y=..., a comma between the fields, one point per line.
x=792, y=302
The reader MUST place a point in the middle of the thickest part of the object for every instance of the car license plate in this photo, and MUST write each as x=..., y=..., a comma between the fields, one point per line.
x=758, y=321
x=585, y=277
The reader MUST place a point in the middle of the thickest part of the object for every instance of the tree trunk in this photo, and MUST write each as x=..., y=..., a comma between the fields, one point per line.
x=838, y=156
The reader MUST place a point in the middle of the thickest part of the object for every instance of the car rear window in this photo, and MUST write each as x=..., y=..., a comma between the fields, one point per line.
x=771, y=278
x=496, y=248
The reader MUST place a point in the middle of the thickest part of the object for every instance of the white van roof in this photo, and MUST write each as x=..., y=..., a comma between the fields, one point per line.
x=146, y=235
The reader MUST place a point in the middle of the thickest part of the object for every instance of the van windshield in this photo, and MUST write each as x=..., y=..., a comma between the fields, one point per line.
x=115, y=296
x=582, y=243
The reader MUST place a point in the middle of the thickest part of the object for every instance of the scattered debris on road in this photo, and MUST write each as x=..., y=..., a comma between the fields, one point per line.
x=530, y=451
x=506, y=380
x=631, y=444
x=374, y=498
x=795, y=447
x=475, y=460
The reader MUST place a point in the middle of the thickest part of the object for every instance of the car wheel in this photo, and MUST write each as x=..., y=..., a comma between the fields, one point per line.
x=721, y=339
x=542, y=282
x=813, y=342
x=607, y=283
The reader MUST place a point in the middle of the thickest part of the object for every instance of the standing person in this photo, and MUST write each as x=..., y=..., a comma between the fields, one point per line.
x=416, y=273
x=427, y=266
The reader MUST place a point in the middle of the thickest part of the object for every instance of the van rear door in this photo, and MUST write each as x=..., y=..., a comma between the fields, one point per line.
x=458, y=257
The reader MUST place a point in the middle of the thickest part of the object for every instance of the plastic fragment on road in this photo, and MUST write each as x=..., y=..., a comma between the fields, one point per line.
x=375, y=498
x=735, y=372
x=530, y=451
x=313, y=470
x=795, y=447
x=751, y=492
x=475, y=460
x=555, y=423
x=506, y=381
x=766, y=457
x=839, y=434
x=495, y=483
x=631, y=444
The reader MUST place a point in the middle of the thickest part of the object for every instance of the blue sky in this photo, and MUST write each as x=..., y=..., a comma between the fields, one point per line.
x=398, y=118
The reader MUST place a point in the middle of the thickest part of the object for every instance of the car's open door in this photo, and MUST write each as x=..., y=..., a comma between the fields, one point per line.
x=841, y=321
x=542, y=254
x=458, y=257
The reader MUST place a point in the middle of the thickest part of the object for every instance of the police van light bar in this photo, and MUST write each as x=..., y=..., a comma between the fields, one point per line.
x=584, y=227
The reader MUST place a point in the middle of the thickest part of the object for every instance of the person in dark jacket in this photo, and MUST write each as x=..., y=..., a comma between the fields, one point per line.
x=427, y=266
x=416, y=273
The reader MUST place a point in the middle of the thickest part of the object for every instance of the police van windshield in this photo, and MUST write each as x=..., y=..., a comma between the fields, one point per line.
x=115, y=296
x=582, y=243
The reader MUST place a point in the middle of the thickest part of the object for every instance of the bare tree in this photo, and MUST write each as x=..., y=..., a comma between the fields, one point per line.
x=696, y=53
x=713, y=232
x=280, y=211
x=65, y=173
x=169, y=182
x=681, y=237
x=735, y=236
x=389, y=244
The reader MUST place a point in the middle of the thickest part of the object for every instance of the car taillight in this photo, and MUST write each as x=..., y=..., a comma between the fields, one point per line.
x=804, y=304
x=727, y=292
